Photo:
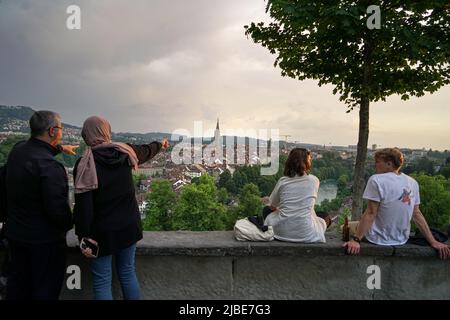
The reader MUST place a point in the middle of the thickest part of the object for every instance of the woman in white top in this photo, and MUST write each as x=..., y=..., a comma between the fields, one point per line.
x=292, y=202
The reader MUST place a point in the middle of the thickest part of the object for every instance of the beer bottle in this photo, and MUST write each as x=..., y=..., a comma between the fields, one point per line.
x=346, y=231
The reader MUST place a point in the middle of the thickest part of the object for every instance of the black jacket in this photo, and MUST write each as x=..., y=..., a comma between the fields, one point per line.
x=37, y=189
x=110, y=214
x=3, y=211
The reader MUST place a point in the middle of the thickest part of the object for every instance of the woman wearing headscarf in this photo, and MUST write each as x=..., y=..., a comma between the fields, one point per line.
x=106, y=211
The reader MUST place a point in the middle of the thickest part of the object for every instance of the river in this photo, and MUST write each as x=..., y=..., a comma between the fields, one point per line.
x=327, y=190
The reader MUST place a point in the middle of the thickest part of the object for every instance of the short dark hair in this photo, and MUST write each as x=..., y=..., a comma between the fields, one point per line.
x=391, y=154
x=43, y=120
x=297, y=162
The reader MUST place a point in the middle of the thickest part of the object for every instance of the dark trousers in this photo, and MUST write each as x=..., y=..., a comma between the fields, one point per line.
x=36, y=272
x=266, y=211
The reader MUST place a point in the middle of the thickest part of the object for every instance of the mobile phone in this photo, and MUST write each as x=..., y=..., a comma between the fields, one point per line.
x=86, y=243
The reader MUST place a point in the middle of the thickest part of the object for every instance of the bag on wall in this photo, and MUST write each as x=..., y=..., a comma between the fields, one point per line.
x=244, y=230
x=420, y=240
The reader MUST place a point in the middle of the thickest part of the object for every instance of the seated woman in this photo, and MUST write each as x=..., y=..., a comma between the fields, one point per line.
x=291, y=204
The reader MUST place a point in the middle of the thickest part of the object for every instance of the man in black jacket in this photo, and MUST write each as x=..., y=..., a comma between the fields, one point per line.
x=38, y=212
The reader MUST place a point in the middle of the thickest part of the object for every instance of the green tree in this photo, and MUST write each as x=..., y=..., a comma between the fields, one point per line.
x=161, y=203
x=226, y=181
x=445, y=171
x=249, y=201
x=198, y=208
x=67, y=160
x=329, y=205
x=438, y=155
x=266, y=184
x=224, y=178
x=282, y=162
x=434, y=199
x=239, y=179
x=330, y=42
x=424, y=165
x=195, y=180
x=137, y=177
x=342, y=182
x=222, y=195
x=7, y=145
x=232, y=215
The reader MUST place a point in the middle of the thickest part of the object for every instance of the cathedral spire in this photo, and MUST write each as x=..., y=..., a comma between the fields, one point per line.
x=217, y=127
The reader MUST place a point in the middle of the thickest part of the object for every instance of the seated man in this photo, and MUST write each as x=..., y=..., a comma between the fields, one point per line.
x=393, y=200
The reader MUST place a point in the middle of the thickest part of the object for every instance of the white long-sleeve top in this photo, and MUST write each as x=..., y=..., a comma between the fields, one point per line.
x=295, y=219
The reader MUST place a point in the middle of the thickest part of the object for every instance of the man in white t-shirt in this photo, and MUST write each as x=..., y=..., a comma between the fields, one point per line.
x=393, y=201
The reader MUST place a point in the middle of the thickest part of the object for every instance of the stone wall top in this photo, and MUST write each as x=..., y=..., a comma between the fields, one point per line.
x=223, y=243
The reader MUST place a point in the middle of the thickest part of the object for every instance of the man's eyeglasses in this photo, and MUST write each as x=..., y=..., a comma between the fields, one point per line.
x=58, y=127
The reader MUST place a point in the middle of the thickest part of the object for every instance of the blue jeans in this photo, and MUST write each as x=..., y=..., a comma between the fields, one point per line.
x=101, y=269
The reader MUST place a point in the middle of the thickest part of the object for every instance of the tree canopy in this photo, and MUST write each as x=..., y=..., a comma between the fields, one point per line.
x=330, y=41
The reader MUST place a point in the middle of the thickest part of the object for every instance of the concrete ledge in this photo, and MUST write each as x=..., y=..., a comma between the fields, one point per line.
x=213, y=265
x=223, y=243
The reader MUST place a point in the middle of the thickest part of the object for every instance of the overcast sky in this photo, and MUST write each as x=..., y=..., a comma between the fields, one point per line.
x=160, y=65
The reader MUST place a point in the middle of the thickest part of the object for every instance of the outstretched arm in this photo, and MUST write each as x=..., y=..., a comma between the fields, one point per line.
x=421, y=223
x=145, y=152
x=69, y=149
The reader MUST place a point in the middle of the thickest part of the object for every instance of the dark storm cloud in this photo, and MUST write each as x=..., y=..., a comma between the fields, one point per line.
x=154, y=65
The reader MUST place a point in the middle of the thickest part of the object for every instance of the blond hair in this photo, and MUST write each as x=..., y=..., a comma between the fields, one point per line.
x=391, y=154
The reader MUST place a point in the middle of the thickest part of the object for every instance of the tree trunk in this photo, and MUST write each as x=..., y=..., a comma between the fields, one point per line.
x=360, y=165
x=363, y=136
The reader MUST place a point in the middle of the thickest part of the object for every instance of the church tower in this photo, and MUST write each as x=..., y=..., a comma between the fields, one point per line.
x=217, y=137
x=218, y=147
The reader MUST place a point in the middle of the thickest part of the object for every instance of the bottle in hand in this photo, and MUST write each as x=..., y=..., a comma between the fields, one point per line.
x=346, y=231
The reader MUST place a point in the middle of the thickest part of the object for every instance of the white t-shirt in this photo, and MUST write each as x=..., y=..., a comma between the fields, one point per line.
x=295, y=220
x=397, y=195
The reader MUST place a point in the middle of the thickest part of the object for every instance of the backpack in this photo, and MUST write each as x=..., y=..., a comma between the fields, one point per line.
x=420, y=240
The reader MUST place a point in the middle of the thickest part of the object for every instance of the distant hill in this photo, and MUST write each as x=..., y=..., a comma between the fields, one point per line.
x=15, y=120
x=142, y=137
x=16, y=112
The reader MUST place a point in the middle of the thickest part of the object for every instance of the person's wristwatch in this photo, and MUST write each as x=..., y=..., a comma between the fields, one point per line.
x=355, y=238
x=59, y=147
